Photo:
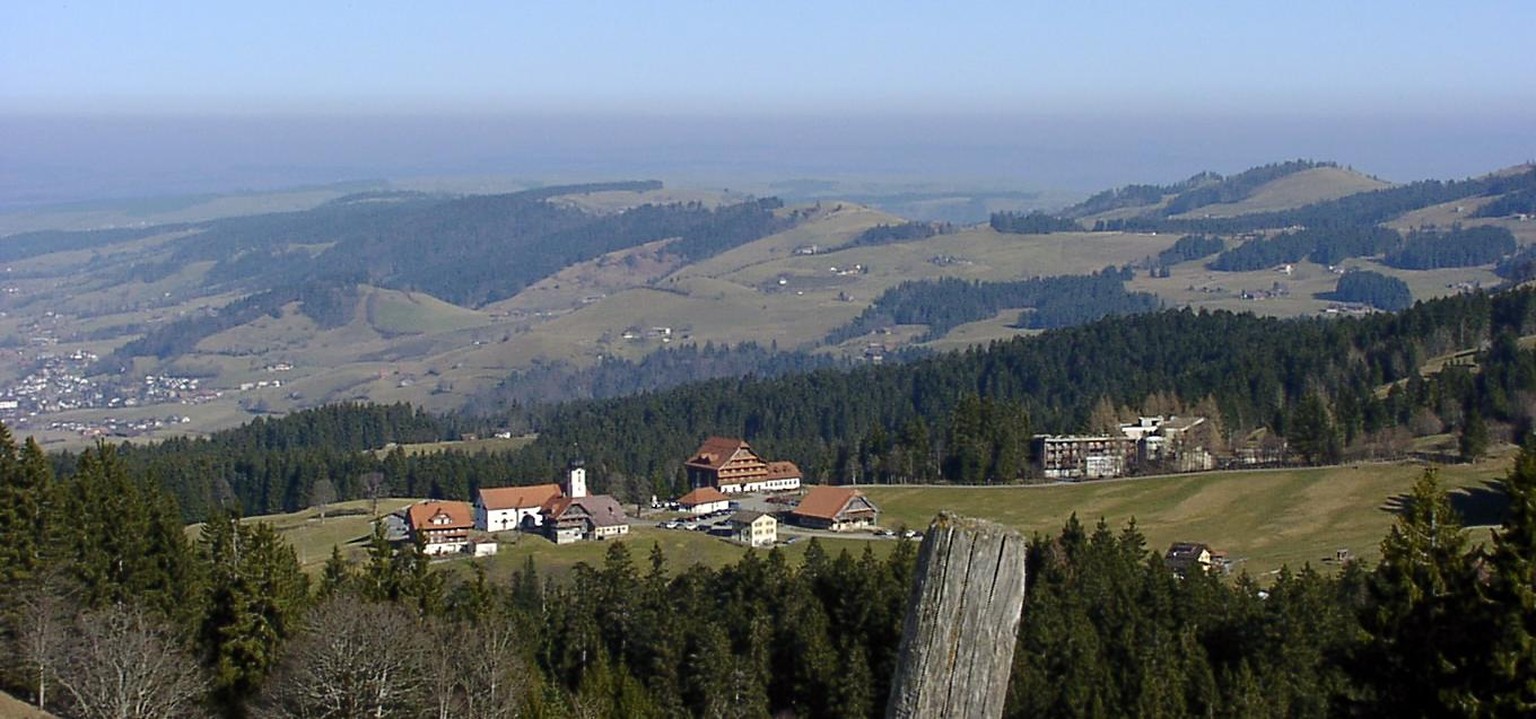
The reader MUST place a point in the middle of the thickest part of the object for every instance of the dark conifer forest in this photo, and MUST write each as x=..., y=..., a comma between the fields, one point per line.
x=104, y=600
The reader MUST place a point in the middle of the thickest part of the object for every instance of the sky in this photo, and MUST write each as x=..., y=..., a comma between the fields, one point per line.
x=896, y=85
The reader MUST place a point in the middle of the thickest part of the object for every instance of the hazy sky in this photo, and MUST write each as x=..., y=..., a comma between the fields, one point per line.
x=786, y=56
x=1463, y=67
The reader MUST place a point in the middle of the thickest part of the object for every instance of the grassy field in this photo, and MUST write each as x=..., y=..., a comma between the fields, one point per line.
x=1264, y=518
x=313, y=538
x=471, y=446
x=1294, y=190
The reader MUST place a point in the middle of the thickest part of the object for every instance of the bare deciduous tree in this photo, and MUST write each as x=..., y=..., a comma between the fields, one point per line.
x=124, y=664
x=321, y=495
x=42, y=635
x=355, y=659
x=493, y=678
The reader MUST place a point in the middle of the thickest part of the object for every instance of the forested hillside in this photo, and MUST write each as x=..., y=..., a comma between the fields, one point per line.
x=1314, y=381
x=959, y=417
x=1200, y=190
x=1357, y=210
x=104, y=600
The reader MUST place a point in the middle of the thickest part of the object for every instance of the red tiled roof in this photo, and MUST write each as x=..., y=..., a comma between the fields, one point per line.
x=824, y=502
x=716, y=451
x=702, y=495
x=783, y=470
x=518, y=497
x=459, y=515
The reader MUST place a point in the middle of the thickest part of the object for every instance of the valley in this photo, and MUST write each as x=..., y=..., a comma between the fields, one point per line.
x=383, y=340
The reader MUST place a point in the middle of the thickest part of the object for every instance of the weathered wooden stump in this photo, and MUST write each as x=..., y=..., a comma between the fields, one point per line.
x=962, y=620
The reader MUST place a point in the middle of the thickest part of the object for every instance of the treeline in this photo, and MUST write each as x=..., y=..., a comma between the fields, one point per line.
x=1200, y=190
x=1236, y=187
x=947, y=303
x=330, y=304
x=1520, y=202
x=1431, y=249
x=105, y=601
x=1315, y=382
x=1372, y=288
x=1424, y=249
x=1352, y=211
x=1190, y=247
x=270, y=466
x=883, y=234
x=469, y=250
x=1137, y=195
x=1032, y=223
x=551, y=382
x=1324, y=246
x=1259, y=372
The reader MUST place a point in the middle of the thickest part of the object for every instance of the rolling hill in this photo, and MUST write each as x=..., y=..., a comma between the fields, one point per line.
x=436, y=300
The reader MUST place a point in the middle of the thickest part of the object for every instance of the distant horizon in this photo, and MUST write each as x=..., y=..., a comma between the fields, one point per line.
x=54, y=158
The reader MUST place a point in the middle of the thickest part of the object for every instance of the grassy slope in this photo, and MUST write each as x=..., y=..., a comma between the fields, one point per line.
x=13, y=708
x=1294, y=190
x=313, y=539
x=1266, y=518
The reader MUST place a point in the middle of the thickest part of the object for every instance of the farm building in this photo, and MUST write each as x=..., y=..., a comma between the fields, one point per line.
x=835, y=508
x=442, y=526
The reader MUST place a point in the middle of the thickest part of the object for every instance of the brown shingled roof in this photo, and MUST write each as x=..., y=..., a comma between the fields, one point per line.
x=783, y=470
x=716, y=451
x=824, y=502
x=702, y=495
x=458, y=513
x=518, y=497
x=604, y=510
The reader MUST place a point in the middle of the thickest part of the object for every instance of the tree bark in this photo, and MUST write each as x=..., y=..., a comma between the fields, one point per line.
x=962, y=622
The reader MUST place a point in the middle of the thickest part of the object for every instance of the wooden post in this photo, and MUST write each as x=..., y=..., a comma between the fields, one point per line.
x=962, y=622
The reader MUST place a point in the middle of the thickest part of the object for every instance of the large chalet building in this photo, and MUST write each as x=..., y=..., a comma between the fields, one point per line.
x=730, y=465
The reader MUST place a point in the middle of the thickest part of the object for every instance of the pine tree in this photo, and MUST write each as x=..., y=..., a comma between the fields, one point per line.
x=25, y=483
x=1509, y=596
x=255, y=597
x=1421, y=647
x=1473, y=441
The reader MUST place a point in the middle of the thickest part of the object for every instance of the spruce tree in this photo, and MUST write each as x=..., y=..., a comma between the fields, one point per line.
x=255, y=597
x=1509, y=596
x=1421, y=647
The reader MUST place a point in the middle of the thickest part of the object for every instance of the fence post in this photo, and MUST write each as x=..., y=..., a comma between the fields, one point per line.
x=962, y=622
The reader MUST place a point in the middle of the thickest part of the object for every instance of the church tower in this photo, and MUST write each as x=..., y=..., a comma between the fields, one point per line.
x=576, y=480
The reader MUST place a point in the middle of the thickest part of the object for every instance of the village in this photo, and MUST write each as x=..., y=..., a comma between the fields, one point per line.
x=739, y=497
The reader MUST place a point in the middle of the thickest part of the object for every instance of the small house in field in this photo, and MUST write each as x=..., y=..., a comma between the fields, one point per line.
x=1185, y=556
x=754, y=529
x=704, y=500
x=442, y=526
x=572, y=519
x=835, y=508
x=500, y=509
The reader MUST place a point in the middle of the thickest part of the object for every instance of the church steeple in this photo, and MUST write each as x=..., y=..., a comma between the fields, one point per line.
x=575, y=484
